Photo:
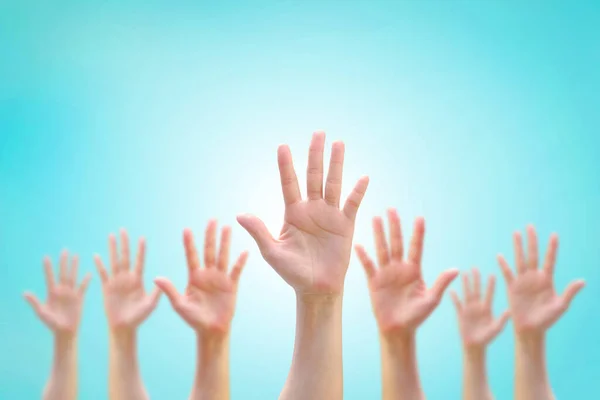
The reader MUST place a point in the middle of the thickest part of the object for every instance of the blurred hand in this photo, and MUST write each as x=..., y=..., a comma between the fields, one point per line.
x=126, y=302
x=476, y=321
x=313, y=249
x=208, y=303
x=400, y=299
x=534, y=303
x=62, y=311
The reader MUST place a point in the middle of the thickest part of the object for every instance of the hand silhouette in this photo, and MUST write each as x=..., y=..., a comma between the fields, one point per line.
x=208, y=303
x=126, y=302
x=399, y=296
x=534, y=303
x=62, y=311
x=476, y=321
x=313, y=249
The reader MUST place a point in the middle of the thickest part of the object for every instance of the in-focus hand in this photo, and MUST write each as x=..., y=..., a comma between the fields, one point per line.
x=208, y=304
x=400, y=299
x=126, y=302
x=62, y=311
x=313, y=249
x=477, y=324
x=534, y=303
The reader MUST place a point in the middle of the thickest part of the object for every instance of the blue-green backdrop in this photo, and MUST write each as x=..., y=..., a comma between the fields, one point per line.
x=482, y=116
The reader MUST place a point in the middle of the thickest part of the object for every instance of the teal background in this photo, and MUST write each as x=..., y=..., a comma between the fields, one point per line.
x=153, y=115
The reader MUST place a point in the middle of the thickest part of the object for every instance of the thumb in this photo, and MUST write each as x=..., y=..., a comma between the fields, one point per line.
x=154, y=297
x=259, y=232
x=572, y=289
x=169, y=289
x=442, y=282
x=149, y=304
x=37, y=306
x=500, y=322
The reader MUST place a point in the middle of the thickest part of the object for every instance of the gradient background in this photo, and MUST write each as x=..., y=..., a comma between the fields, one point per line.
x=482, y=116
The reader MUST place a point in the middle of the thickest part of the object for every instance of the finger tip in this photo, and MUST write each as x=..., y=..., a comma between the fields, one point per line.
x=187, y=234
x=517, y=235
x=283, y=150
x=337, y=144
x=159, y=280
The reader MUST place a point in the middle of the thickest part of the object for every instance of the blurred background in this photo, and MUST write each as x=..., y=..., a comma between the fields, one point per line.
x=481, y=116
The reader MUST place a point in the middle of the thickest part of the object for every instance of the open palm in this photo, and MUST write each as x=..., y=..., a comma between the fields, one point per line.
x=477, y=324
x=126, y=302
x=313, y=250
x=62, y=311
x=208, y=303
x=534, y=303
x=400, y=299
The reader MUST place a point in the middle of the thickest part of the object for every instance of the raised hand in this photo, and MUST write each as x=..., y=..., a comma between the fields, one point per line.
x=534, y=303
x=62, y=310
x=126, y=302
x=313, y=249
x=478, y=327
x=401, y=301
x=208, y=303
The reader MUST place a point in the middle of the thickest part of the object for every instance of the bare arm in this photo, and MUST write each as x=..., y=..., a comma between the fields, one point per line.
x=531, y=375
x=124, y=379
x=63, y=378
x=212, y=368
x=316, y=370
x=400, y=373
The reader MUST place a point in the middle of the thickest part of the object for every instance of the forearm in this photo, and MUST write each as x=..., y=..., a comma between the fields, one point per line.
x=400, y=375
x=125, y=382
x=475, y=382
x=212, y=369
x=62, y=384
x=316, y=371
x=531, y=375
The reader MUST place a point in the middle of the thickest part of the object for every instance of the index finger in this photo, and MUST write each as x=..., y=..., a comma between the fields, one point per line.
x=289, y=180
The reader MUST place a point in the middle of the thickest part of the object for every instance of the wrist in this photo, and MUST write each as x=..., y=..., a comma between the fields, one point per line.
x=64, y=342
x=123, y=338
x=399, y=343
x=315, y=309
x=530, y=339
x=211, y=347
x=212, y=341
x=319, y=299
x=474, y=353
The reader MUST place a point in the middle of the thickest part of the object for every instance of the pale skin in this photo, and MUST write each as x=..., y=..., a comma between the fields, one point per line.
x=312, y=254
x=208, y=306
x=535, y=307
x=478, y=328
x=61, y=313
x=127, y=305
x=401, y=301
